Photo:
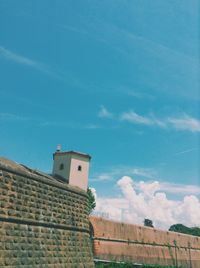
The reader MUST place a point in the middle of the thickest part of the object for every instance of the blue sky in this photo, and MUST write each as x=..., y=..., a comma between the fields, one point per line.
x=116, y=79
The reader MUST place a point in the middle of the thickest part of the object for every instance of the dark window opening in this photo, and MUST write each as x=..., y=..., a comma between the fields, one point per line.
x=61, y=166
x=79, y=168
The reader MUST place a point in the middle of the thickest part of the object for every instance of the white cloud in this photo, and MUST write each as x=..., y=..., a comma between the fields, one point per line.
x=104, y=113
x=133, y=117
x=185, y=122
x=148, y=200
x=149, y=188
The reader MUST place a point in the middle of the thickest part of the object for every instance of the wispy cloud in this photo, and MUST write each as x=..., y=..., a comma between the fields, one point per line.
x=155, y=47
x=136, y=94
x=53, y=124
x=166, y=57
x=41, y=122
x=104, y=113
x=73, y=29
x=92, y=126
x=8, y=95
x=133, y=117
x=183, y=122
x=145, y=177
x=173, y=61
x=186, y=151
x=20, y=59
x=116, y=172
x=179, y=188
x=65, y=76
x=12, y=117
x=64, y=124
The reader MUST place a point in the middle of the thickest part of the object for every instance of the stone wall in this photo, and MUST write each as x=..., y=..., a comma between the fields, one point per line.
x=43, y=222
x=122, y=242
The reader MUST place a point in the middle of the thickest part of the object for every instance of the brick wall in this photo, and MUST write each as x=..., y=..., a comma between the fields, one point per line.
x=122, y=242
x=43, y=222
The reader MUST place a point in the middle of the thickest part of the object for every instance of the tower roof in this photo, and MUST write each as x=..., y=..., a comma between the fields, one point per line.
x=73, y=153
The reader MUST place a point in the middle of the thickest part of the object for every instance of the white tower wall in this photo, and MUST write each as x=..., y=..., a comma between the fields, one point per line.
x=72, y=167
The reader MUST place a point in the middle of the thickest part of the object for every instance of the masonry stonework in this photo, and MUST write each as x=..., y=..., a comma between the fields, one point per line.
x=43, y=222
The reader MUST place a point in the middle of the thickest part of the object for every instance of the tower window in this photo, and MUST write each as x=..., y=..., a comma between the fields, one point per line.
x=61, y=166
x=79, y=168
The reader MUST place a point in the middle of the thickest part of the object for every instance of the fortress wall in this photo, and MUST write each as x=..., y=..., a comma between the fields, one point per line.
x=43, y=222
x=120, y=241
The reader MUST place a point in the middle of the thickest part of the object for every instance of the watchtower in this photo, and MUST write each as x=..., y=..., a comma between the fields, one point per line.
x=72, y=167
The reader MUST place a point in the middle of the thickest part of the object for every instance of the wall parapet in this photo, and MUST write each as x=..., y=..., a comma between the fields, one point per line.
x=22, y=170
x=121, y=242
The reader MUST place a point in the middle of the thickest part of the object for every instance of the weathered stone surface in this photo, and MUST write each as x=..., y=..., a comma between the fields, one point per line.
x=121, y=242
x=43, y=222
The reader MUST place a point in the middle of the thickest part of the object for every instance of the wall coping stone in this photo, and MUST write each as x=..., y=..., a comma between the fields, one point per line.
x=140, y=226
